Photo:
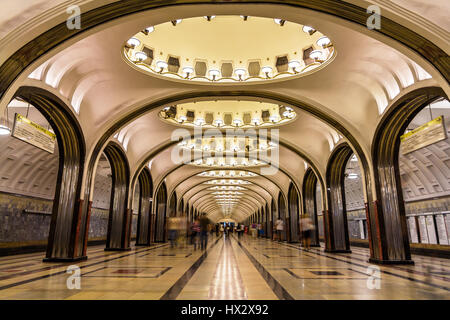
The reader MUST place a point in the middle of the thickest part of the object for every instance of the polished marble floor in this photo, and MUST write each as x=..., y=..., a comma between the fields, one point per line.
x=229, y=269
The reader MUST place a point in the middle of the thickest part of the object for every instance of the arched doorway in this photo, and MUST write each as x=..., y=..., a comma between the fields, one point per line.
x=310, y=207
x=282, y=214
x=294, y=212
x=144, y=208
x=393, y=242
x=337, y=215
x=118, y=237
x=354, y=201
x=160, y=213
x=274, y=217
x=65, y=237
x=101, y=200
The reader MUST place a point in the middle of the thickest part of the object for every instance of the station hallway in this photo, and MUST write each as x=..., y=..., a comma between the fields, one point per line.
x=254, y=269
x=317, y=132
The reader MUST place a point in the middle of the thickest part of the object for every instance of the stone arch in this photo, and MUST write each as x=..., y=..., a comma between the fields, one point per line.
x=119, y=222
x=145, y=208
x=393, y=243
x=282, y=214
x=294, y=213
x=336, y=216
x=65, y=242
x=310, y=205
x=160, y=213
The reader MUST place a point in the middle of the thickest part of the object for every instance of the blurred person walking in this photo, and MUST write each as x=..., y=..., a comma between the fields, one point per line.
x=172, y=231
x=279, y=225
x=307, y=227
x=204, y=222
x=195, y=233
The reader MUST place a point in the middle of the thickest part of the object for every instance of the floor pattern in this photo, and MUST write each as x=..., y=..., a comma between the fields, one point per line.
x=230, y=268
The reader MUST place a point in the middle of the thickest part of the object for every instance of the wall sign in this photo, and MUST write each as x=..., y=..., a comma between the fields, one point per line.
x=26, y=130
x=429, y=133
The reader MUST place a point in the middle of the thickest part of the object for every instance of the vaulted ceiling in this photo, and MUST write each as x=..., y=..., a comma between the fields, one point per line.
x=91, y=74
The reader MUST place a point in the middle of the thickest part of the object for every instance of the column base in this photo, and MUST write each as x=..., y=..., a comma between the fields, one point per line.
x=118, y=249
x=338, y=251
x=377, y=261
x=65, y=259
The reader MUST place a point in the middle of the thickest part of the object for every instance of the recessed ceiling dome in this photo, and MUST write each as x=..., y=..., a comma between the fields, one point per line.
x=228, y=114
x=229, y=49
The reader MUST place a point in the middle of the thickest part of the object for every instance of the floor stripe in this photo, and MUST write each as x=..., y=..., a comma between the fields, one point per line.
x=276, y=287
x=178, y=286
x=227, y=283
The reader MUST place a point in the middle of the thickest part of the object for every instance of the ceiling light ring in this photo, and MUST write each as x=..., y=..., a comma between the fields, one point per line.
x=246, y=78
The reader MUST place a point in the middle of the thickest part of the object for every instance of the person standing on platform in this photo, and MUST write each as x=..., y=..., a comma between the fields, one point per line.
x=195, y=233
x=307, y=228
x=204, y=222
x=172, y=228
x=260, y=231
x=279, y=225
x=240, y=231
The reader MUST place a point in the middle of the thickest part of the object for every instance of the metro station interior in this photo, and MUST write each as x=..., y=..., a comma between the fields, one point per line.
x=122, y=121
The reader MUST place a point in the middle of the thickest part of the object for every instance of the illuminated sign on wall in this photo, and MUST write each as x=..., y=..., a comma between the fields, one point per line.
x=429, y=133
x=26, y=130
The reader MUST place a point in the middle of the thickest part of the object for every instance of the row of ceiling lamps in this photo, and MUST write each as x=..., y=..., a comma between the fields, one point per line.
x=227, y=174
x=287, y=112
x=316, y=55
x=220, y=148
x=222, y=163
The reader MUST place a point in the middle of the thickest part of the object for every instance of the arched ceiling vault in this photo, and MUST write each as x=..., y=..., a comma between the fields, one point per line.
x=199, y=188
x=109, y=98
x=263, y=184
x=335, y=26
x=246, y=197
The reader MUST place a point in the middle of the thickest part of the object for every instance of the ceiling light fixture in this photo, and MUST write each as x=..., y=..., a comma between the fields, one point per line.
x=256, y=121
x=279, y=22
x=316, y=55
x=267, y=71
x=323, y=42
x=239, y=72
x=209, y=18
x=161, y=65
x=199, y=122
x=308, y=29
x=188, y=71
x=133, y=42
x=214, y=73
x=149, y=30
x=175, y=22
x=140, y=56
x=294, y=64
x=274, y=118
x=218, y=122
